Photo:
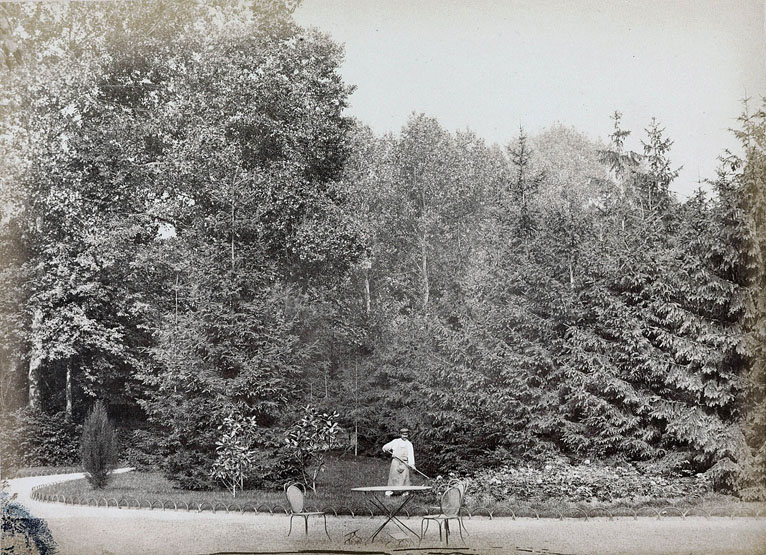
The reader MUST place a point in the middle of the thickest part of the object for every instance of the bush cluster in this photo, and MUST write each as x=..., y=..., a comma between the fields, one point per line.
x=190, y=469
x=20, y=532
x=582, y=482
x=33, y=438
x=140, y=449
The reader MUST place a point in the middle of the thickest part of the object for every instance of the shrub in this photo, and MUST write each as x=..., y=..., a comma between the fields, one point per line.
x=235, y=456
x=191, y=468
x=98, y=446
x=142, y=450
x=273, y=463
x=309, y=440
x=20, y=532
x=583, y=482
x=31, y=438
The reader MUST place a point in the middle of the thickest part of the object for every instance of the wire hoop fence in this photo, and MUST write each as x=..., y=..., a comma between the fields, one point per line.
x=510, y=508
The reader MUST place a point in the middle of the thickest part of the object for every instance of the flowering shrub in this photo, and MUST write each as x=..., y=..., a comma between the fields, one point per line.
x=584, y=482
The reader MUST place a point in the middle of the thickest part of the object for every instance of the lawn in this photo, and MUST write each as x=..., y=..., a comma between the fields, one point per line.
x=334, y=485
x=344, y=472
x=44, y=471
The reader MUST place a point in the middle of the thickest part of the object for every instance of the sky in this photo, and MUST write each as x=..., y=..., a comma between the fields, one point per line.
x=492, y=65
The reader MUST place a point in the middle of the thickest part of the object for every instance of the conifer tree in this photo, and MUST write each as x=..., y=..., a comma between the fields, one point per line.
x=98, y=446
x=750, y=182
x=514, y=317
x=634, y=362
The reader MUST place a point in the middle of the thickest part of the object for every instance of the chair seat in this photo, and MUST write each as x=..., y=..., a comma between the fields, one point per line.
x=295, y=498
x=440, y=517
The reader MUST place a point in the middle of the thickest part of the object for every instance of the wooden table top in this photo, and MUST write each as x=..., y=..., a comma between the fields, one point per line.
x=392, y=488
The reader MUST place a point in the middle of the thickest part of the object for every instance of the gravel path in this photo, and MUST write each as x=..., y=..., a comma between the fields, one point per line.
x=91, y=530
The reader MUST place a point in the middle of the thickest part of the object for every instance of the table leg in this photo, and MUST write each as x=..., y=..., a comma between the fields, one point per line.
x=392, y=516
x=371, y=500
x=398, y=522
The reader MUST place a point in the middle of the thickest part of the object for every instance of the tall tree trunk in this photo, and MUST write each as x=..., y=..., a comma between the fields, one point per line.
x=69, y=389
x=571, y=274
x=33, y=380
x=6, y=382
x=35, y=360
x=232, y=236
x=367, y=291
x=175, y=313
x=424, y=270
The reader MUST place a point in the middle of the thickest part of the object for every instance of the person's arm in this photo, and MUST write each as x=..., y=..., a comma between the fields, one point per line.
x=389, y=447
x=412, y=455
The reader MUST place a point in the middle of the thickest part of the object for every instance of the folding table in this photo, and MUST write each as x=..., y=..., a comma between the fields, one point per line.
x=392, y=511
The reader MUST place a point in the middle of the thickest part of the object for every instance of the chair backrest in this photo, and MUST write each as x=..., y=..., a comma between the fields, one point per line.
x=451, y=501
x=460, y=486
x=295, y=497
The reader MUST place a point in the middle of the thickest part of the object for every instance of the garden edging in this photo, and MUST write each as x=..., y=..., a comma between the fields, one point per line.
x=513, y=511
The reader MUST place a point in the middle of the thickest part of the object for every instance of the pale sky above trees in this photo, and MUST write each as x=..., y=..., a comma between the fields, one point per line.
x=492, y=65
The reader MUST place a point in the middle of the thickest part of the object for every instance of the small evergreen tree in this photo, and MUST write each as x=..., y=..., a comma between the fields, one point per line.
x=98, y=446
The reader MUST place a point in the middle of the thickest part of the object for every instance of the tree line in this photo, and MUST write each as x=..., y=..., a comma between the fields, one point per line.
x=193, y=229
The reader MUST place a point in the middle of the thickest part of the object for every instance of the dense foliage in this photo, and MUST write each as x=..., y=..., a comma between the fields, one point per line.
x=309, y=439
x=234, y=452
x=20, y=532
x=192, y=229
x=560, y=481
x=32, y=438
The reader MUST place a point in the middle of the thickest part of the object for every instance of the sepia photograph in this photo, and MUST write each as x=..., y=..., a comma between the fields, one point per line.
x=383, y=277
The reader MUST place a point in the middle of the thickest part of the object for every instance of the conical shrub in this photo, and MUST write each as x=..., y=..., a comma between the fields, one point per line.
x=98, y=446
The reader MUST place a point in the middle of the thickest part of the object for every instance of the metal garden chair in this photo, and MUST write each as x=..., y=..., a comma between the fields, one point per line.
x=451, y=501
x=296, y=500
x=460, y=486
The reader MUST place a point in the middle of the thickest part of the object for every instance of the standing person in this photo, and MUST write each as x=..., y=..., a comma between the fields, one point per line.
x=403, y=457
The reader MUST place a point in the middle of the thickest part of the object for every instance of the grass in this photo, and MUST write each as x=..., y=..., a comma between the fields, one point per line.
x=334, y=485
x=345, y=472
x=44, y=471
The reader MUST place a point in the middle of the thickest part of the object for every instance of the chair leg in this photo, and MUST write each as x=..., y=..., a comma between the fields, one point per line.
x=325, y=527
x=460, y=529
x=422, y=531
x=460, y=520
x=306, y=524
x=291, y=525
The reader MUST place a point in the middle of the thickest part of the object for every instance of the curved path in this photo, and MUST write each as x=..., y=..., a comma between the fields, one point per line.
x=90, y=530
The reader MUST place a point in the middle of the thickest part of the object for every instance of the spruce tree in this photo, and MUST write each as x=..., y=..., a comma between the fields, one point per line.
x=750, y=178
x=645, y=363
